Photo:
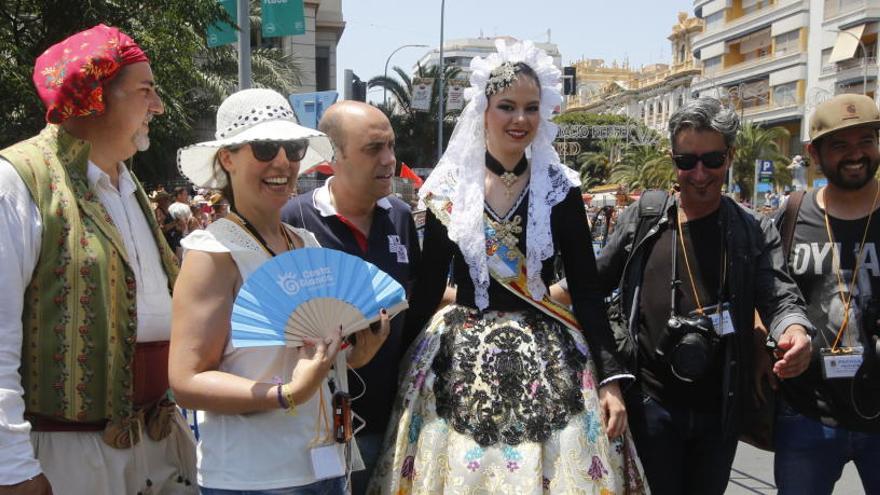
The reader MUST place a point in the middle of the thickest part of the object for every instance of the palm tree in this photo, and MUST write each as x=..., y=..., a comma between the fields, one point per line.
x=644, y=167
x=754, y=142
x=596, y=166
x=416, y=131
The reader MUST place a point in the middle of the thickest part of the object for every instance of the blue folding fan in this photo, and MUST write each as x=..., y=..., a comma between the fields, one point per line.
x=305, y=294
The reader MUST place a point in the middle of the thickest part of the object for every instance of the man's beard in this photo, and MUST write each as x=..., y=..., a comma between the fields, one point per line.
x=141, y=140
x=836, y=176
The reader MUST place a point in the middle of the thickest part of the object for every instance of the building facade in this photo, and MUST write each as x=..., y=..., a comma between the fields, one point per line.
x=459, y=53
x=754, y=55
x=650, y=94
x=315, y=50
x=843, y=50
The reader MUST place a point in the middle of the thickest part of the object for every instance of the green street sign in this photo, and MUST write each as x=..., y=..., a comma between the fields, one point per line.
x=283, y=18
x=221, y=33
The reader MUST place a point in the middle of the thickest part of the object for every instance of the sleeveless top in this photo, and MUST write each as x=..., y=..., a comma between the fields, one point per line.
x=268, y=449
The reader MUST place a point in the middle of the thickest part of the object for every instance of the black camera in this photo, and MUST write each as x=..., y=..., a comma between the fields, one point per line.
x=688, y=344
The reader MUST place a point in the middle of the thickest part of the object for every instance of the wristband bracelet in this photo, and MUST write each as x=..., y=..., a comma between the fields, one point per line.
x=285, y=398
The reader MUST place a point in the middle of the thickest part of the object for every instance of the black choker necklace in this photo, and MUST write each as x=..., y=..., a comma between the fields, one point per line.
x=508, y=177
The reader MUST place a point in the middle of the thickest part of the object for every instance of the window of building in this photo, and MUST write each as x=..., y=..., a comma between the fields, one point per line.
x=714, y=21
x=749, y=6
x=712, y=65
x=785, y=94
x=322, y=68
x=752, y=46
x=788, y=42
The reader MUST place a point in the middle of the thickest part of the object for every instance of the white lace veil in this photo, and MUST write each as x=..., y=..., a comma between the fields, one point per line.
x=461, y=172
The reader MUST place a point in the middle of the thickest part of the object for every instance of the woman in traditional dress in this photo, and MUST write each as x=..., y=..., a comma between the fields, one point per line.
x=508, y=392
x=266, y=425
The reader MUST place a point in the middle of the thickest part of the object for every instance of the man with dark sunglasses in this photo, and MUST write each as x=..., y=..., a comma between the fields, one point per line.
x=831, y=414
x=355, y=212
x=691, y=272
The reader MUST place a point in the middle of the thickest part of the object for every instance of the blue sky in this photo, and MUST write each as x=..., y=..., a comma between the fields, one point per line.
x=618, y=29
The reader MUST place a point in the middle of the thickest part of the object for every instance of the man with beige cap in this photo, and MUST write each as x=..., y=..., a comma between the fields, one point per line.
x=831, y=413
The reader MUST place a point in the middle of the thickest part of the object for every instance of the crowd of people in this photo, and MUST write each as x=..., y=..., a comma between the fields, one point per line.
x=638, y=371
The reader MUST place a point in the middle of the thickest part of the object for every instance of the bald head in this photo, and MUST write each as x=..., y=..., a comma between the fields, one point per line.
x=347, y=117
x=363, y=162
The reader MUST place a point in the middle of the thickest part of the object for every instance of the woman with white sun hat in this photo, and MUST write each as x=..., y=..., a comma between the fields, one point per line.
x=264, y=406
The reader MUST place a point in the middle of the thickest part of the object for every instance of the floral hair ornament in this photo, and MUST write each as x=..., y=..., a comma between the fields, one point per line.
x=501, y=78
x=70, y=75
x=461, y=172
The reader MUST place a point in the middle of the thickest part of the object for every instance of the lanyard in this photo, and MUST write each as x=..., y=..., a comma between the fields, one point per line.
x=687, y=266
x=847, y=299
x=242, y=221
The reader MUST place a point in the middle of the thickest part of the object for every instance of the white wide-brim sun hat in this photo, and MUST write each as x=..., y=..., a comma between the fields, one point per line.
x=244, y=117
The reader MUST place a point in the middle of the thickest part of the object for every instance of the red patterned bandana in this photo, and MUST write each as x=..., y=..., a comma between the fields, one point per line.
x=70, y=75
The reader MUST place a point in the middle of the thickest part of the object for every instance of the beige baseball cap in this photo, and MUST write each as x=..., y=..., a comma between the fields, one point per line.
x=842, y=112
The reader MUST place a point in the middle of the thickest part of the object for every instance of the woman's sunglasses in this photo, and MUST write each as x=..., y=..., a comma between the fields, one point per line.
x=712, y=159
x=266, y=151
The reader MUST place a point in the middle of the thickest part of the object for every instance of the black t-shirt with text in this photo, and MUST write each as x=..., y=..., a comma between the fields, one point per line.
x=703, y=243
x=814, y=264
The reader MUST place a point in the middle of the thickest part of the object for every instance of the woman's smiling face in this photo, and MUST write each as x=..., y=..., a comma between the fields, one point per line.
x=512, y=118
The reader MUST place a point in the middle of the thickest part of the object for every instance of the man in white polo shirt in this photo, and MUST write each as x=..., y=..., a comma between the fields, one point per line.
x=355, y=212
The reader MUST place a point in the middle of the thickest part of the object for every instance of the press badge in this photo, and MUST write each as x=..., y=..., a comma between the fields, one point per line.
x=723, y=323
x=327, y=461
x=842, y=364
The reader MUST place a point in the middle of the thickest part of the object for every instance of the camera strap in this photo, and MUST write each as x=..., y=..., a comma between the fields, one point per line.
x=678, y=234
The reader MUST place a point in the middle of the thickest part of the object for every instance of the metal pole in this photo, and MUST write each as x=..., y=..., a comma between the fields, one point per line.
x=385, y=88
x=244, y=45
x=440, y=95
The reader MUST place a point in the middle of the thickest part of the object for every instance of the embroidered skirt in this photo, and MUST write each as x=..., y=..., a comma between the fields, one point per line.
x=504, y=403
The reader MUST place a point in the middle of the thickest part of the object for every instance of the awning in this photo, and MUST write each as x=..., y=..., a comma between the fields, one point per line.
x=846, y=44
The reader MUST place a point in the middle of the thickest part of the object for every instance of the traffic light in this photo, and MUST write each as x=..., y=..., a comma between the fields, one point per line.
x=355, y=89
x=569, y=81
x=358, y=89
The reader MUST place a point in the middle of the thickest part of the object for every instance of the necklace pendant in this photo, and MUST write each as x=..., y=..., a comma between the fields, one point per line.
x=508, y=179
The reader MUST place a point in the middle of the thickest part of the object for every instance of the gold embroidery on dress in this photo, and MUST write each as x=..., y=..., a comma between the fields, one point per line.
x=507, y=233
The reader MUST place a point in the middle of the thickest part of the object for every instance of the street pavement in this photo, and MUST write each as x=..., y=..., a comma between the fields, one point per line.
x=753, y=473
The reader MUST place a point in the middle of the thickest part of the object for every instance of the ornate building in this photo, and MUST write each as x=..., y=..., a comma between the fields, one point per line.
x=650, y=94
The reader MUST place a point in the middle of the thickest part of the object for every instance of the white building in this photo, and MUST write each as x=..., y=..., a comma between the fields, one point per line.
x=754, y=55
x=775, y=60
x=459, y=53
x=842, y=50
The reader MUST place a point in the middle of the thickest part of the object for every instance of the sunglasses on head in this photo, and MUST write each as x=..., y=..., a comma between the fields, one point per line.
x=712, y=159
x=266, y=151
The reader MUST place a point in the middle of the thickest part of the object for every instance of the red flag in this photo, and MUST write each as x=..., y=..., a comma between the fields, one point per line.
x=407, y=173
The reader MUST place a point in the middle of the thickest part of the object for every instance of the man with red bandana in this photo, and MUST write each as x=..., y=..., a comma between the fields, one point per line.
x=87, y=276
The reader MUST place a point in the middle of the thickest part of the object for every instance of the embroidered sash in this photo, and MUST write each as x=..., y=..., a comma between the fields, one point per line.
x=507, y=264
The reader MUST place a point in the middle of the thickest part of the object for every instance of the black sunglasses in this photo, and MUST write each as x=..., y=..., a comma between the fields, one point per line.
x=712, y=159
x=266, y=151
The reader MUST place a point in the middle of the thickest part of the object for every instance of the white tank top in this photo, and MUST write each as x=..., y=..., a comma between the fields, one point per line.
x=264, y=450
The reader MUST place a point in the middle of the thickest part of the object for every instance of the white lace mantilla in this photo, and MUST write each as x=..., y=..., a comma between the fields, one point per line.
x=460, y=174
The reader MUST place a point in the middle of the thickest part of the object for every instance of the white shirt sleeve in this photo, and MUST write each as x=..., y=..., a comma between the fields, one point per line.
x=20, y=235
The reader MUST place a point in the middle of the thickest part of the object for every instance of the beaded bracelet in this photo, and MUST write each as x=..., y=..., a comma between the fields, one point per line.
x=285, y=398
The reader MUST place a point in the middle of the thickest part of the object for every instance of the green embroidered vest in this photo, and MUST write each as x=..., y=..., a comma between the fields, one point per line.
x=80, y=315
